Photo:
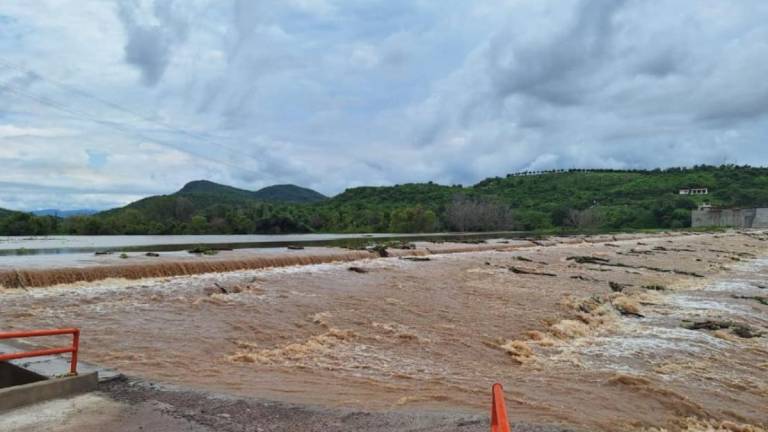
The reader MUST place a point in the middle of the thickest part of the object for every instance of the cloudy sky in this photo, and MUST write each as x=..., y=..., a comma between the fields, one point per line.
x=106, y=101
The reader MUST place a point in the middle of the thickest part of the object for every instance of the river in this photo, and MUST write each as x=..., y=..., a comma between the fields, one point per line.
x=435, y=334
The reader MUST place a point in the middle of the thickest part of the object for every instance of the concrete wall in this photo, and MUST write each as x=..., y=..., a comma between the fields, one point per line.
x=761, y=218
x=739, y=218
x=11, y=375
x=27, y=394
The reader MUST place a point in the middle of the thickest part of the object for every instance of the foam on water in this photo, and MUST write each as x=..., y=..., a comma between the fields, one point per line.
x=635, y=347
x=690, y=305
x=756, y=265
x=733, y=286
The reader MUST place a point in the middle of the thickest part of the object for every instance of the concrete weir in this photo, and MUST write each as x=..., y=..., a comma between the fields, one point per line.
x=37, y=388
x=43, y=378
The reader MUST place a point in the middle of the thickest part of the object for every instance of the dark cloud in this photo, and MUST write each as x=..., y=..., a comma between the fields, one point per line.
x=605, y=84
x=558, y=68
x=150, y=39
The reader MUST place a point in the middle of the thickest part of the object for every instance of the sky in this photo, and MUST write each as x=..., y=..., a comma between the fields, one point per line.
x=103, y=102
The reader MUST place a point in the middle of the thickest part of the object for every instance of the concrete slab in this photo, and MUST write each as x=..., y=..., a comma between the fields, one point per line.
x=54, y=366
x=97, y=412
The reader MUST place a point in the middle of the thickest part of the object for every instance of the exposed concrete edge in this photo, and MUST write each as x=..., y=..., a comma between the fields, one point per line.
x=27, y=394
x=52, y=366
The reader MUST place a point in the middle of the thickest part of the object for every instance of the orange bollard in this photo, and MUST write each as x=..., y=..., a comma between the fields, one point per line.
x=499, y=420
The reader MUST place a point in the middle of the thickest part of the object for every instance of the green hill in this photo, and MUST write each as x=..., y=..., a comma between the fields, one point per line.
x=628, y=199
x=201, y=195
x=288, y=193
x=575, y=199
x=205, y=187
x=206, y=207
x=398, y=195
x=14, y=223
x=612, y=199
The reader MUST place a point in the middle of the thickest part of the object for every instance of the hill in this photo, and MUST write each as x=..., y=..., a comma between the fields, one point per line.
x=200, y=195
x=627, y=199
x=575, y=199
x=14, y=223
x=203, y=187
x=613, y=199
x=201, y=203
x=204, y=190
x=288, y=193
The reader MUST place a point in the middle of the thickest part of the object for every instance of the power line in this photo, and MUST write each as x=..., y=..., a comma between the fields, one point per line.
x=86, y=117
x=80, y=92
x=149, y=119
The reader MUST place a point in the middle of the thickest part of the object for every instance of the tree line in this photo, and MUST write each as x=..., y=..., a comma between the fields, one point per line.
x=595, y=200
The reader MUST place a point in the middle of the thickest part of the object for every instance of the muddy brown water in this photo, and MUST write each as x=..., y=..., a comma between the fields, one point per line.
x=436, y=334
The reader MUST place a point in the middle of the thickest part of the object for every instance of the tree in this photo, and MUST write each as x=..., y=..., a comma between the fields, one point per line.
x=584, y=219
x=198, y=225
x=412, y=219
x=467, y=214
x=184, y=209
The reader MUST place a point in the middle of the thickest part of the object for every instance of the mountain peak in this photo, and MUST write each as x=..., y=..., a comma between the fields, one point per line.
x=289, y=193
x=198, y=186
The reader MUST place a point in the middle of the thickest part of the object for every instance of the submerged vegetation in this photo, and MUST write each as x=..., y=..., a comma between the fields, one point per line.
x=567, y=200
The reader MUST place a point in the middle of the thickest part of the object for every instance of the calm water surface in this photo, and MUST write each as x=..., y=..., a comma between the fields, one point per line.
x=51, y=245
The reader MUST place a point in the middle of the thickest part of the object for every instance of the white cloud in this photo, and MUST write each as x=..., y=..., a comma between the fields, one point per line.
x=13, y=131
x=112, y=100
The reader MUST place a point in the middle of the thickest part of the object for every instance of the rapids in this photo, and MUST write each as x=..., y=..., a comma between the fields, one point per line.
x=438, y=333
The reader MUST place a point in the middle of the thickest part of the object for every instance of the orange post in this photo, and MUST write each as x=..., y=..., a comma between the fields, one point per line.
x=499, y=420
x=45, y=352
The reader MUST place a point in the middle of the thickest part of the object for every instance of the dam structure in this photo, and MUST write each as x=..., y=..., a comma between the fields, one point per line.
x=706, y=216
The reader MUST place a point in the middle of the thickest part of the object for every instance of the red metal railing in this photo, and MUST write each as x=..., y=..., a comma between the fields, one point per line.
x=499, y=420
x=75, y=332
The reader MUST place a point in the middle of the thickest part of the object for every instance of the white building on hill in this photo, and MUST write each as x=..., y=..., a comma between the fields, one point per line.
x=694, y=191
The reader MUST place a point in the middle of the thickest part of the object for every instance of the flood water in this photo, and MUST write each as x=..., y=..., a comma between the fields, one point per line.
x=48, y=245
x=437, y=334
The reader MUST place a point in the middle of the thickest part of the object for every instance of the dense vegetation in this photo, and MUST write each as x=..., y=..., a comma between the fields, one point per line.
x=576, y=199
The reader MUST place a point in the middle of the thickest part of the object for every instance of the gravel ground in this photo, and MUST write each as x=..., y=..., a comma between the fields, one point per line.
x=188, y=410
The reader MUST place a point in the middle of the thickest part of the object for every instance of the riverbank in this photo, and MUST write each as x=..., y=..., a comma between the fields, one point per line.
x=629, y=332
